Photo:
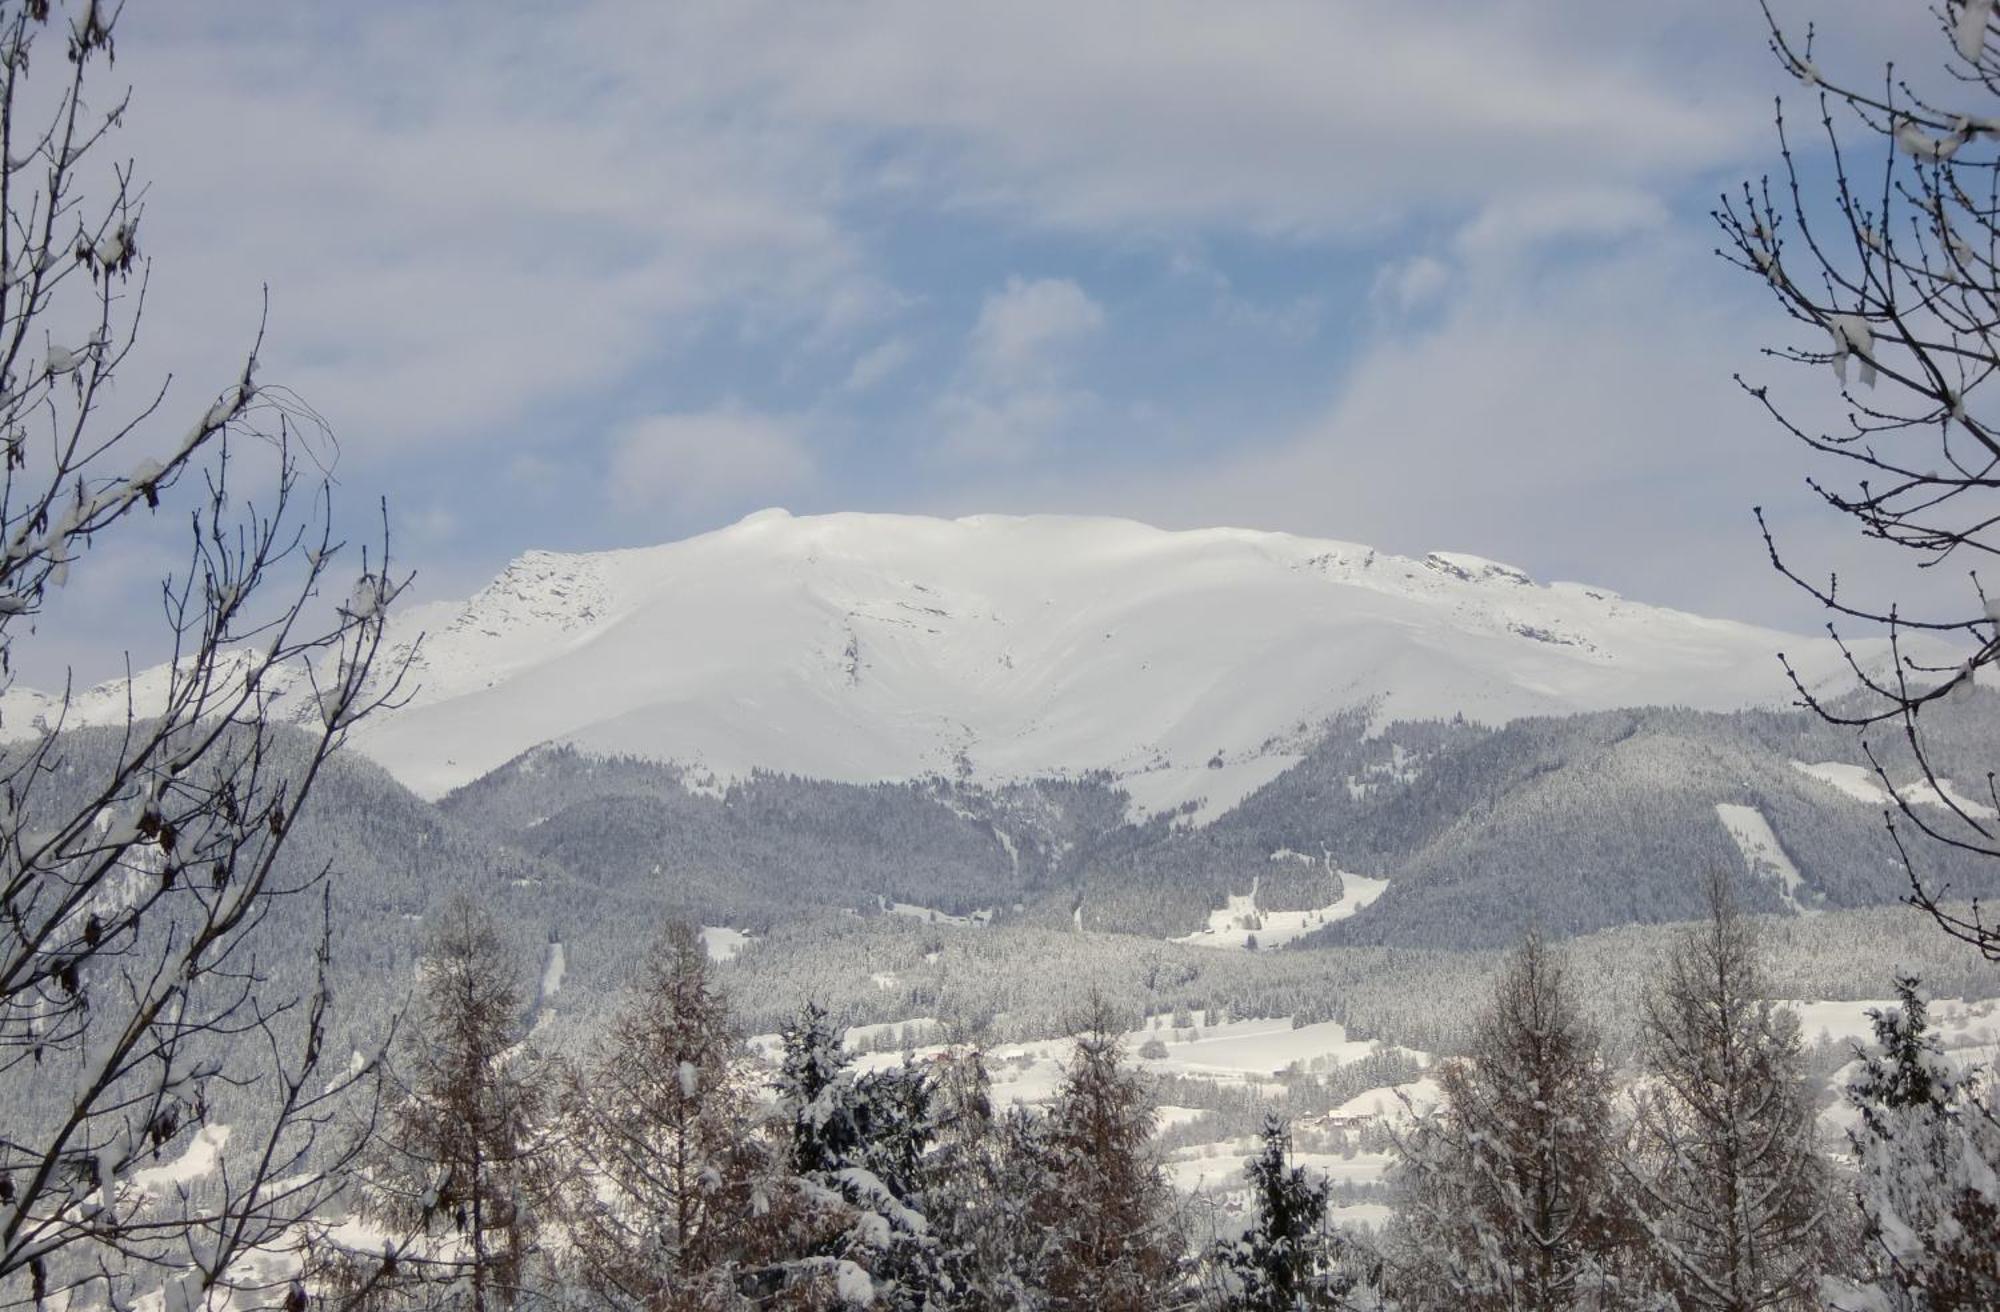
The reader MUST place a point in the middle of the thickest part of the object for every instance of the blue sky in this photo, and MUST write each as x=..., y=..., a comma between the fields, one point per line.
x=611, y=273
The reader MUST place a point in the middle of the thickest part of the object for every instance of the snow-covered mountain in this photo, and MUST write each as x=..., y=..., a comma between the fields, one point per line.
x=863, y=647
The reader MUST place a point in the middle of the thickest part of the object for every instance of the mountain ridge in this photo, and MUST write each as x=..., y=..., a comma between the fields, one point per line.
x=1191, y=664
x=1194, y=666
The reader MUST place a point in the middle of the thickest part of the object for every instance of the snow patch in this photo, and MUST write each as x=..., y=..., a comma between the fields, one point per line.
x=1856, y=781
x=1944, y=796
x=552, y=972
x=1396, y=1103
x=200, y=1159
x=1239, y=921
x=932, y=916
x=723, y=943
x=1212, y=789
x=1763, y=854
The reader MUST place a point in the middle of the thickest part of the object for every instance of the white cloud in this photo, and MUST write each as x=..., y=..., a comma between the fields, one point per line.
x=1013, y=396
x=470, y=214
x=1591, y=213
x=456, y=239
x=988, y=427
x=1261, y=116
x=707, y=461
x=430, y=525
x=1023, y=323
x=877, y=364
x=1412, y=283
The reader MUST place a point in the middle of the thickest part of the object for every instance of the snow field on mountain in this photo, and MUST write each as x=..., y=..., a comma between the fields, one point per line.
x=1763, y=854
x=1944, y=796
x=1192, y=665
x=1856, y=781
x=1864, y=785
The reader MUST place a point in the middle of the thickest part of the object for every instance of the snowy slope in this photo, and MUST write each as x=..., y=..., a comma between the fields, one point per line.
x=862, y=647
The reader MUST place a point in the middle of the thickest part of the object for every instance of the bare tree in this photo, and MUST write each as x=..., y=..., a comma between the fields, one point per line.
x=136, y=869
x=1509, y=1197
x=663, y=1144
x=460, y=1164
x=1891, y=270
x=1734, y=1194
x=1105, y=1203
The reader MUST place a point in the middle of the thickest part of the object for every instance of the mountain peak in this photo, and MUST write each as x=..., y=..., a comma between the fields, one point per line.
x=1190, y=663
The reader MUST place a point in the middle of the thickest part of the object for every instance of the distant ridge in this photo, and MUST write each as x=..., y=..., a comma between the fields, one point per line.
x=1190, y=665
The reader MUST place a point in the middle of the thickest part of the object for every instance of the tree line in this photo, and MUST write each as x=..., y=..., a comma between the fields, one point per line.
x=666, y=1168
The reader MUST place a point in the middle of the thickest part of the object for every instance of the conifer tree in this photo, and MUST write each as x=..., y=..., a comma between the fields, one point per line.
x=459, y=1165
x=1508, y=1198
x=1106, y=1206
x=1734, y=1192
x=663, y=1150
x=813, y=1080
x=1290, y=1259
x=1927, y=1152
x=988, y=1170
x=858, y=1148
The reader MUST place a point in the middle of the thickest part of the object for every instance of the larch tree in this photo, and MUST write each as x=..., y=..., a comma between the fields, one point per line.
x=140, y=862
x=1113, y=1240
x=1509, y=1193
x=460, y=1165
x=1736, y=1198
x=663, y=1154
x=1880, y=240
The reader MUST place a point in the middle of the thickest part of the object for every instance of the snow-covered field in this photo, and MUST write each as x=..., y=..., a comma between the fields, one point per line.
x=933, y=916
x=1240, y=924
x=1253, y=1053
x=1962, y=1026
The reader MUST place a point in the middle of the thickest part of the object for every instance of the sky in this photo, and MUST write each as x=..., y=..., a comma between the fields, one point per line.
x=614, y=272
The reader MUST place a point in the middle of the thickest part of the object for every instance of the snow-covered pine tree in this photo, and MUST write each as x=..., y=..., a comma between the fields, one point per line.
x=1290, y=1259
x=459, y=1164
x=814, y=1092
x=1927, y=1153
x=987, y=1172
x=1114, y=1245
x=1735, y=1196
x=1507, y=1197
x=663, y=1154
x=858, y=1147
